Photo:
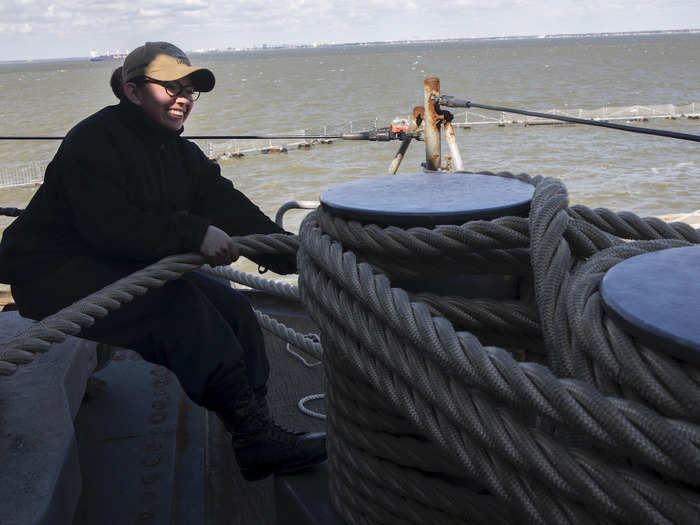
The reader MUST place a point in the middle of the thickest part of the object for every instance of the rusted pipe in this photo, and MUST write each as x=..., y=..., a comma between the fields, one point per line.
x=432, y=121
x=393, y=168
x=416, y=120
x=452, y=142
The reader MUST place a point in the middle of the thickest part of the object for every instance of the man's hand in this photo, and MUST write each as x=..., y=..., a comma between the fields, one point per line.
x=218, y=248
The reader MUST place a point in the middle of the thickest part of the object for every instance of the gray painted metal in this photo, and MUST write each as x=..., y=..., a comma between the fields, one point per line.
x=142, y=448
x=293, y=205
x=428, y=199
x=40, y=479
x=303, y=498
x=655, y=297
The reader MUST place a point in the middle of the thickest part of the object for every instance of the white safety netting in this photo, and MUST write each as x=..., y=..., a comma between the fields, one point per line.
x=607, y=113
x=11, y=176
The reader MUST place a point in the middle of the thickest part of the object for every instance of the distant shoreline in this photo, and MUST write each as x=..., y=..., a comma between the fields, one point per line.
x=266, y=47
x=450, y=40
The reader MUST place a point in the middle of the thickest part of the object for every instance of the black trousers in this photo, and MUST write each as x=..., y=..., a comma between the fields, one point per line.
x=196, y=326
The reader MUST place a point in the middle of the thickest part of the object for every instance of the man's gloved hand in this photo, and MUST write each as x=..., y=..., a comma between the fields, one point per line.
x=218, y=248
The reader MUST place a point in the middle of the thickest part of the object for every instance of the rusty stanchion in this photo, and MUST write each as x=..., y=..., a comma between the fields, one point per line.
x=432, y=119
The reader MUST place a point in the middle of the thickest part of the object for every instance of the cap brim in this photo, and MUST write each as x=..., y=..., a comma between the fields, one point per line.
x=202, y=79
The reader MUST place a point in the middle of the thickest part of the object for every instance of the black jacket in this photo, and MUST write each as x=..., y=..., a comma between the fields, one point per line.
x=122, y=188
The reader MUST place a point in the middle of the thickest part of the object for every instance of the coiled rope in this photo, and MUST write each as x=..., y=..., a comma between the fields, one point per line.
x=547, y=442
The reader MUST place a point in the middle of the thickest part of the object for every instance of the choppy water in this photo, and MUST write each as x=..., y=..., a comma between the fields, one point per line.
x=287, y=90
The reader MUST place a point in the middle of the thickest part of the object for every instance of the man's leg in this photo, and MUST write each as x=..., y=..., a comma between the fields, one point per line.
x=236, y=309
x=261, y=446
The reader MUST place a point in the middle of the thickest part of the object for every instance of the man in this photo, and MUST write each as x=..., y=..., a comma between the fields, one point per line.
x=125, y=190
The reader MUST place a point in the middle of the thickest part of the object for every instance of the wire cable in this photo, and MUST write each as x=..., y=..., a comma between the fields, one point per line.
x=452, y=102
x=225, y=137
x=380, y=135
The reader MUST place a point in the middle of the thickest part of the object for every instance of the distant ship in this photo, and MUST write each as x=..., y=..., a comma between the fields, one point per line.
x=94, y=57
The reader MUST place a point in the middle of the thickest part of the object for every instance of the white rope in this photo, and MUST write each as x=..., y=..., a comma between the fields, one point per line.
x=278, y=288
x=83, y=313
x=288, y=334
x=301, y=358
x=308, y=411
x=314, y=338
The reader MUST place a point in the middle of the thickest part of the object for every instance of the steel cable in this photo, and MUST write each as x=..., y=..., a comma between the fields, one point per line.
x=452, y=102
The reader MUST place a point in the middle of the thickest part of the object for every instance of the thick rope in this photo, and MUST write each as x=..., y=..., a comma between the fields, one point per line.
x=301, y=341
x=308, y=343
x=484, y=315
x=71, y=320
x=413, y=321
x=501, y=480
x=83, y=313
x=339, y=283
x=271, y=243
x=278, y=288
x=508, y=232
x=629, y=226
x=552, y=262
x=437, y=501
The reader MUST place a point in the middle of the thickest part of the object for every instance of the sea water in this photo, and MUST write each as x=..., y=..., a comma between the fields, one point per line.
x=288, y=90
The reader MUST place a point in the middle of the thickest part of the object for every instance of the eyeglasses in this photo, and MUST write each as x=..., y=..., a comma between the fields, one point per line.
x=175, y=88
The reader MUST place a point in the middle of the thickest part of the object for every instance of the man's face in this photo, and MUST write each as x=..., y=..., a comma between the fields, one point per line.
x=169, y=111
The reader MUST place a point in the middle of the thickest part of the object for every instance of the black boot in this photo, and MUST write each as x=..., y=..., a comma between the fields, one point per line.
x=262, y=447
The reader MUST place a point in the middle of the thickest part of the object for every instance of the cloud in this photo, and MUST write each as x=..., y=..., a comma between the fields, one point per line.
x=46, y=27
x=150, y=12
x=15, y=28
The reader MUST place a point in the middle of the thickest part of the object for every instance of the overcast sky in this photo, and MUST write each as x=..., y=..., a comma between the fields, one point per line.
x=72, y=28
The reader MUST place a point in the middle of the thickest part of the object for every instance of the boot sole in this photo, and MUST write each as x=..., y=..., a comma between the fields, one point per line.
x=257, y=474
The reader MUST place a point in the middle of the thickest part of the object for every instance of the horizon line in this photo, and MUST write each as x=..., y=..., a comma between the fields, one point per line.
x=320, y=45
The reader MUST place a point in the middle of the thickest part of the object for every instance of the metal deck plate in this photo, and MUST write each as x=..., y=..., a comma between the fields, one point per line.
x=150, y=456
x=141, y=443
x=428, y=199
x=302, y=498
x=655, y=297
